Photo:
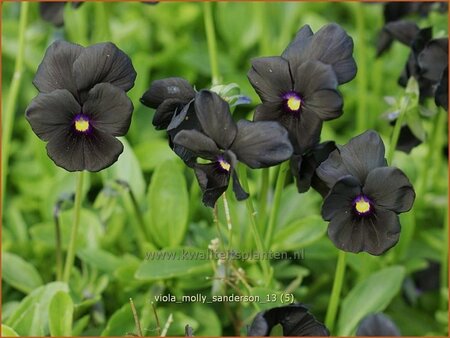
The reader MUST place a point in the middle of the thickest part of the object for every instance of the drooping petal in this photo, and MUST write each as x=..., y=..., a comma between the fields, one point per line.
x=49, y=113
x=363, y=153
x=441, y=96
x=406, y=140
x=239, y=192
x=170, y=88
x=434, y=59
x=198, y=143
x=374, y=235
x=376, y=325
x=295, y=320
x=261, y=144
x=340, y=197
x=74, y=152
x=390, y=189
x=110, y=109
x=402, y=31
x=213, y=182
x=165, y=112
x=55, y=70
x=270, y=77
x=312, y=76
x=215, y=118
x=103, y=62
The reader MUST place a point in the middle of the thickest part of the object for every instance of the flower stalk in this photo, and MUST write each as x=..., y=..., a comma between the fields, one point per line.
x=211, y=40
x=330, y=317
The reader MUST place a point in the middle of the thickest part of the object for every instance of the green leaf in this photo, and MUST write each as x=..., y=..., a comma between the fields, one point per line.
x=299, y=234
x=26, y=319
x=19, y=274
x=369, y=296
x=100, y=259
x=121, y=323
x=152, y=153
x=169, y=205
x=61, y=315
x=172, y=263
x=8, y=332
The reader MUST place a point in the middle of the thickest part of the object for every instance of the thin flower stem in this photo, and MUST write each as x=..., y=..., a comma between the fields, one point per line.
x=211, y=40
x=444, y=265
x=226, y=209
x=284, y=167
x=136, y=318
x=335, y=292
x=76, y=221
x=251, y=212
x=265, y=177
x=396, y=131
x=11, y=102
x=361, y=79
x=167, y=326
x=59, y=259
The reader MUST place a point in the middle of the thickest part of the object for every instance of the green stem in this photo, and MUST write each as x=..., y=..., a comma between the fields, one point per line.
x=211, y=40
x=361, y=79
x=76, y=221
x=251, y=212
x=444, y=265
x=336, y=292
x=396, y=131
x=284, y=168
x=265, y=177
x=11, y=102
x=58, y=253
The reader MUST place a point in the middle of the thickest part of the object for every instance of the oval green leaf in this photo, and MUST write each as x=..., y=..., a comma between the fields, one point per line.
x=60, y=315
x=19, y=274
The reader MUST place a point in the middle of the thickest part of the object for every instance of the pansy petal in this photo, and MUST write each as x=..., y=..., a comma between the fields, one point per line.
x=198, y=143
x=170, y=88
x=313, y=76
x=441, y=96
x=434, y=59
x=213, y=182
x=74, y=152
x=48, y=113
x=300, y=42
x=377, y=325
x=215, y=118
x=239, y=192
x=110, y=109
x=103, y=62
x=406, y=139
x=332, y=169
x=52, y=12
x=270, y=77
x=340, y=197
x=268, y=112
x=261, y=144
x=55, y=70
x=363, y=153
x=165, y=112
x=327, y=104
x=390, y=189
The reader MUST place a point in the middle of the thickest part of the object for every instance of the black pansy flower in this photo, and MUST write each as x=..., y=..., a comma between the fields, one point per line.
x=53, y=12
x=366, y=196
x=224, y=142
x=303, y=167
x=295, y=320
x=82, y=106
x=402, y=31
x=441, y=95
x=299, y=89
x=395, y=10
x=377, y=325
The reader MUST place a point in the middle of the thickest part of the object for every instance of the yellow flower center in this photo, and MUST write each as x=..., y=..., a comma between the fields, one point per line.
x=362, y=206
x=224, y=165
x=294, y=103
x=81, y=124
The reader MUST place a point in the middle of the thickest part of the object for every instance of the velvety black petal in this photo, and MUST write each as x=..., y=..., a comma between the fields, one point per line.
x=340, y=197
x=363, y=153
x=170, y=88
x=103, y=62
x=215, y=118
x=55, y=70
x=441, y=96
x=330, y=45
x=407, y=140
x=402, y=31
x=295, y=320
x=110, y=109
x=74, y=152
x=377, y=325
x=270, y=77
x=268, y=112
x=304, y=130
x=390, y=189
x=434, y=59
x=198, y=143
x=239, y=192
x=213, y=182
x=52, y=12
x=261, y=144
x=326, y=104
x=374, y=235
x=49, y=113
x=313, y=76
x=300, y=42
x=184, y=118
x=165, y=112
x=332, y=169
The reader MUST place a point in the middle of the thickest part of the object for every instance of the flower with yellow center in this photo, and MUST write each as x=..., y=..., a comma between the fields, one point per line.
x=82, y=124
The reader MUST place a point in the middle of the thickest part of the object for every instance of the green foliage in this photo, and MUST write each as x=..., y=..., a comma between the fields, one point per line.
x=60, y=314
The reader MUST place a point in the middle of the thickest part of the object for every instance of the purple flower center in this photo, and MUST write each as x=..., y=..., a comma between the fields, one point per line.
x=362, y=205
x=81, y=123
x=292, y=102
x=223, y=164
